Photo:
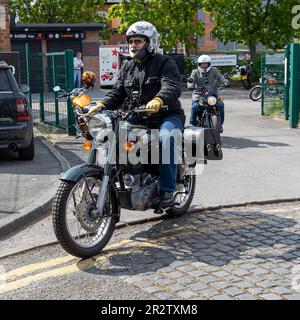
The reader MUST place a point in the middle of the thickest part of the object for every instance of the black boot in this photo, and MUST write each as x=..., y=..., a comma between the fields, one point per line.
x=167, y=199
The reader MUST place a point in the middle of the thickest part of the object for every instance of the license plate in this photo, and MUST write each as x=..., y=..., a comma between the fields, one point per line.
x=6, y=120
x=244, y=77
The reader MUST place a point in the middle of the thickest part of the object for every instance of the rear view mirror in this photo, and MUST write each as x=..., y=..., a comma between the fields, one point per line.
x=24, y=88
x=57, y=89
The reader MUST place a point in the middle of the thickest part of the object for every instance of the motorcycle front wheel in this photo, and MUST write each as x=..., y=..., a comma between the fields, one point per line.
x=78, y=229
x=216, y=122
x=255, y=93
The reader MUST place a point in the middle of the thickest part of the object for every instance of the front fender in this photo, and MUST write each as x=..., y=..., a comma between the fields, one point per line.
x=76, y=173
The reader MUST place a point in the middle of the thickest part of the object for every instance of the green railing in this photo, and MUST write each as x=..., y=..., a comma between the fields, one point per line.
x=56, y=69
x=272, y=79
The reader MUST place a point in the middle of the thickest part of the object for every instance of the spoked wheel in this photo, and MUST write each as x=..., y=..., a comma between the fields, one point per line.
x=255, y=93
x=183, y=195
x=79, y=230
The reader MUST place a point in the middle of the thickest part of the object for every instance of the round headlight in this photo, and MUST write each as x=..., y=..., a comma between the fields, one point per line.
x=212, y=101
x=99, y=126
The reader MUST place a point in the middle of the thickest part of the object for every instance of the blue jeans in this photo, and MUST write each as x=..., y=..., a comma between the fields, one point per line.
x=168, y=172
x=77, y=78
x=196, y=107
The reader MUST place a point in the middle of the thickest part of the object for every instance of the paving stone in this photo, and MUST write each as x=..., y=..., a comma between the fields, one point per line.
x=164, y=295
x=271, y=296
x=186, y=294
x=220, y=285
x=220, y=274
x=246, y=296
x=152, y=289
x=209, y=279
x=233, y=291
x=293, y=297
x=222, y=297
x=209, y=293
x=175, y=287
x=281, y=271
x=245, y=284
x=281, y=290
x=266, y=284
x=197, y=286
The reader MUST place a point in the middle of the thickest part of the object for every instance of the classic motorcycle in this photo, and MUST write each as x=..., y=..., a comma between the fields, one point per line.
x=271, y=89
x=209, y=115
x=89, y=200
x=245, y=73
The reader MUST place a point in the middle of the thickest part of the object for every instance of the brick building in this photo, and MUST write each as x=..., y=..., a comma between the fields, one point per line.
x=4, y=27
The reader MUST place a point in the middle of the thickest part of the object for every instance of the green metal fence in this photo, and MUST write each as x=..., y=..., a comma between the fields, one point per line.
x=56, y=69
x=272, y=80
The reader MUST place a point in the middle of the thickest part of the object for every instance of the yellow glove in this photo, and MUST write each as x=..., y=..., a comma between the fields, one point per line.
x=154, y=105
x=94, y=109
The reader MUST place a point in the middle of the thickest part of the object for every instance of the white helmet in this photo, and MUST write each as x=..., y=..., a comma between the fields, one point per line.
x=204, y=59
x=147, y=30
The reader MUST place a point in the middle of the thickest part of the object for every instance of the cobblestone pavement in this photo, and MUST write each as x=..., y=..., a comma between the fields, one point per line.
x=240, y=253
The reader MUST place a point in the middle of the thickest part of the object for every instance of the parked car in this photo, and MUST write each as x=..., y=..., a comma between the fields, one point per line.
x=16, y=125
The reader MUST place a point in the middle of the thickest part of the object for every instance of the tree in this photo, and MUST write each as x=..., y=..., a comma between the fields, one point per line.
x=250, y=22
x=175, y=20
x=56, y=11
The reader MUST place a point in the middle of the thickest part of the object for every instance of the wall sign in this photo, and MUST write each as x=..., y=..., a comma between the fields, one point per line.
x=223, y=60
x=65, y=36
x=27, y=36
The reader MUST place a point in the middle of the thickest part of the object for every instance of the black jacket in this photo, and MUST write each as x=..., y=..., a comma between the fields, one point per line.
x=158, y=76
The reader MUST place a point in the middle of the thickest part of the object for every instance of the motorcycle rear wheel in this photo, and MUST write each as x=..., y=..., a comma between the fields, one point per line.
x=184, y=198
x=86, y=236
x=255, y=93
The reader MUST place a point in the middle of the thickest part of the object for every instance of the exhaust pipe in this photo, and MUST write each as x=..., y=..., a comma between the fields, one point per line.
x=13, y=147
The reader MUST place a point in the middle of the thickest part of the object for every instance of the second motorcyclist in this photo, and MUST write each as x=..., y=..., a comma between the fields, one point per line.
x=205, y=76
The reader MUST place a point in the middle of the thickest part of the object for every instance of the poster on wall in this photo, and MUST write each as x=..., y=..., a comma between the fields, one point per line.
x=110, y=63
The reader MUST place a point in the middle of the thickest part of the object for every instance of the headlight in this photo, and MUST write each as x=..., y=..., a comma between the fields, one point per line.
x=212, y=101
x=99, y=126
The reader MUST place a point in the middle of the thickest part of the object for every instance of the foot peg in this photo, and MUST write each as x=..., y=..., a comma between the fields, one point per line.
x=159, y=211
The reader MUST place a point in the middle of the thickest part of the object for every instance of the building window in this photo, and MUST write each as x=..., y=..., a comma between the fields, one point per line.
x=212, y=36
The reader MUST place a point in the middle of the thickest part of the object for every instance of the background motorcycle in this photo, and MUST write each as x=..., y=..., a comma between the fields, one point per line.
x=271, y=89
x=88, y=202
x=245, y=73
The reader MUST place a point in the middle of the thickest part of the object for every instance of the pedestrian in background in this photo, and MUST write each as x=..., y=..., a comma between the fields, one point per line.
x=78, y=65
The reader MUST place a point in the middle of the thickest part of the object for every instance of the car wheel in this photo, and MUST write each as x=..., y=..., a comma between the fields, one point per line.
x=27, y=153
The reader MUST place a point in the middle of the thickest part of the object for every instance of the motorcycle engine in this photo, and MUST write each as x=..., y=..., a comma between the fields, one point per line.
x=144, y=190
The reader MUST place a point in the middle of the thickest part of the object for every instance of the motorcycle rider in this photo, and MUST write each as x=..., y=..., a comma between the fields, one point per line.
x=208, y=76
x=154, y=80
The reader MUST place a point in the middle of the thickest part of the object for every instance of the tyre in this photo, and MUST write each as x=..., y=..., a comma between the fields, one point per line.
x=215, y=123
x=246, y=84
x=183, y=195
x=255, y=93
x=79, y=231
x=27, y=153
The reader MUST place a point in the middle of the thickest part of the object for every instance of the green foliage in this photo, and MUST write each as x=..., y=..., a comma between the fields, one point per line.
x=57, y=11
x=189, y=65
x=174, y=19
x=274, y=108
x=250, y=22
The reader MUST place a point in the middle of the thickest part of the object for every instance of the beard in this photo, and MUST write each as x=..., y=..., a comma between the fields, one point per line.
x=134, y=52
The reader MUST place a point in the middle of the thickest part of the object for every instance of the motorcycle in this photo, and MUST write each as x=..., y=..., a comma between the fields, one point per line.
x=271, y=89
x=88, y=202
x=245, y=73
